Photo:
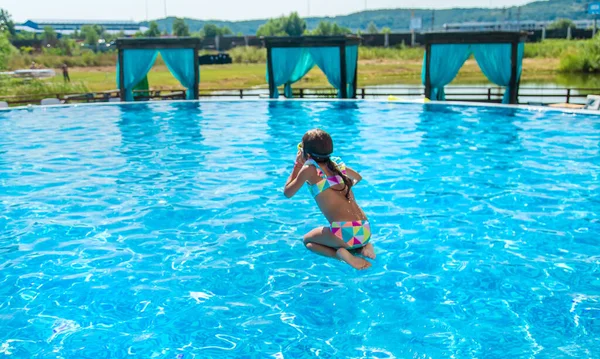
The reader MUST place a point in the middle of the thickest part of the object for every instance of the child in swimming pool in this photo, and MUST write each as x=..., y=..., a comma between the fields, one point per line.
x=330, y=182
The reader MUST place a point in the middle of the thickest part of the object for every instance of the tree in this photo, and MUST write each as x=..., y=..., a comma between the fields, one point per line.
x=226, y=31
x=372, y=29
x=66, y=46
x=24, y=36
x=562, y=24
x=7, y=50
x=210, y=30
x=327, y=28
x=99, y=30
x=340, y=30
x=292, y=25
x=6, y=23
x=50, y=36
x=386, y=30
x=273, y=27
x=153, y=30
x=180, y=28
x=90, y=35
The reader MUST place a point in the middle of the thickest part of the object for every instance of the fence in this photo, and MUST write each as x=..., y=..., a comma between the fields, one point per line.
x=527, y=95
x=225, y=43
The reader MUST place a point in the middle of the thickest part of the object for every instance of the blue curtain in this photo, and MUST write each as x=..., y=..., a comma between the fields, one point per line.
x=291, y=64
x=181, y=64
x=446, y=60
x=495, y=63
x=328, y=60
x=351, y=59
x=284, y=63
x=136, y=65
x=304, y=65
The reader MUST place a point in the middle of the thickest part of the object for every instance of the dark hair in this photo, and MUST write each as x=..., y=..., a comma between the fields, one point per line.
x=319, y=145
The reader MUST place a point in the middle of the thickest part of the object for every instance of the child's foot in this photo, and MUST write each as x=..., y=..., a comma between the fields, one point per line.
x=368, y=251
x=356, y=262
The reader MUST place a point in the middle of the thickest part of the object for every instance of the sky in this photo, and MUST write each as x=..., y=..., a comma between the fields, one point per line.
x=22, y=10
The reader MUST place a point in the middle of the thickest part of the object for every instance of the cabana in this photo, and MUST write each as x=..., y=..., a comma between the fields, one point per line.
x=137, y=56
x=499, y=55
x=290, y=58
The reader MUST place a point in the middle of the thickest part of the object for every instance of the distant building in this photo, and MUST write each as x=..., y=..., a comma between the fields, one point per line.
x=510, y=25
x=67, y=27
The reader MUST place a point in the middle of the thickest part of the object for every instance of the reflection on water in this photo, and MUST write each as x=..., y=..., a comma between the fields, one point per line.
x=529, y=92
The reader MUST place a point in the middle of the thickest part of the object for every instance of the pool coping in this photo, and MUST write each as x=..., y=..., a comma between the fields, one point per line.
x=434, y=103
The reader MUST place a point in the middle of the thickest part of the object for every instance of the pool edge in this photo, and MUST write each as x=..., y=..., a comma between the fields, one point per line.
x=434, y=103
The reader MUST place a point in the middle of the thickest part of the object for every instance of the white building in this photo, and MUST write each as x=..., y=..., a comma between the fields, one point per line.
x=510, y=25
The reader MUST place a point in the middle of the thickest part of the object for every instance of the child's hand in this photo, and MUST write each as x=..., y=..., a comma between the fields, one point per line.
x=300, y=158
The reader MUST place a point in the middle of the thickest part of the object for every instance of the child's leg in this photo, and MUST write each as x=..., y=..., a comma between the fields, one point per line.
x=322, y=241
x=368, y=251
x=356, y=262
x=321, y=250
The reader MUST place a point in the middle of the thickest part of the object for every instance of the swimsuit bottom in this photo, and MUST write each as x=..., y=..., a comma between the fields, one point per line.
x=356, y=233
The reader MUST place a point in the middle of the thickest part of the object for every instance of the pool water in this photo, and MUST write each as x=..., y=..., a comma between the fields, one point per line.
x=161, y=231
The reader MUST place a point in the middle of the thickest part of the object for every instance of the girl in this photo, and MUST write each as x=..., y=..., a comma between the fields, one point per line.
x=330, y=182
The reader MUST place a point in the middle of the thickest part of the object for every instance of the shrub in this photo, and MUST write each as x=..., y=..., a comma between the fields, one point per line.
x=393, y=53
x=33, y=88
x=584, y=58
x=549, y=48
x=7, y=50
x=248, y=55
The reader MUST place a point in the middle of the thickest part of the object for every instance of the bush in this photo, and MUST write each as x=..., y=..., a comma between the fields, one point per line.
x=584, y=58
x=549, y=48
x=33, y=88
x=248, y=55
x=398, y=53
x=571, y=62
x=7, y=50
x=49, y=59
x=26, y=50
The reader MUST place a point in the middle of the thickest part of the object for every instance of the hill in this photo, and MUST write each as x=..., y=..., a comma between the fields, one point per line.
x=399, y=19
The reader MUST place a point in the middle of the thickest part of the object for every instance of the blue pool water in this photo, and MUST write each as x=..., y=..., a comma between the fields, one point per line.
x=160, y=231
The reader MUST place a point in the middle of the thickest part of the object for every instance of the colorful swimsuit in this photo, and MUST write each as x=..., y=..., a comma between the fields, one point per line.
x=355, y=233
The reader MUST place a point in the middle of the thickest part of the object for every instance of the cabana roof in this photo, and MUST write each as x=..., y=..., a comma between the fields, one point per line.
x=310, y=41
x=159, y=43
x=486, y=37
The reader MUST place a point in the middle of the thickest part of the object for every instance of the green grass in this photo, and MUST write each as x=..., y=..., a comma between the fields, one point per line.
x=584, y=58
x=36, y=88
x=550, y=48
x=253, y=75
x=398, y=53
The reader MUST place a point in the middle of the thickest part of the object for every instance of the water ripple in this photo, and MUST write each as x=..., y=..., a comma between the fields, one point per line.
x=159, y=230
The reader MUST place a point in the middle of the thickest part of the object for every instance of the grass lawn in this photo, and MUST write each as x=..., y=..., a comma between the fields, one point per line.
x=370, y=72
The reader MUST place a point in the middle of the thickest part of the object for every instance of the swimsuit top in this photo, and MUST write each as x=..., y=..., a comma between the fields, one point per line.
x=325, y=182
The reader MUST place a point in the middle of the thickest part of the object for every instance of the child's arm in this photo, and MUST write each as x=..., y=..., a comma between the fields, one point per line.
x=295, y=181
x=355, y=176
